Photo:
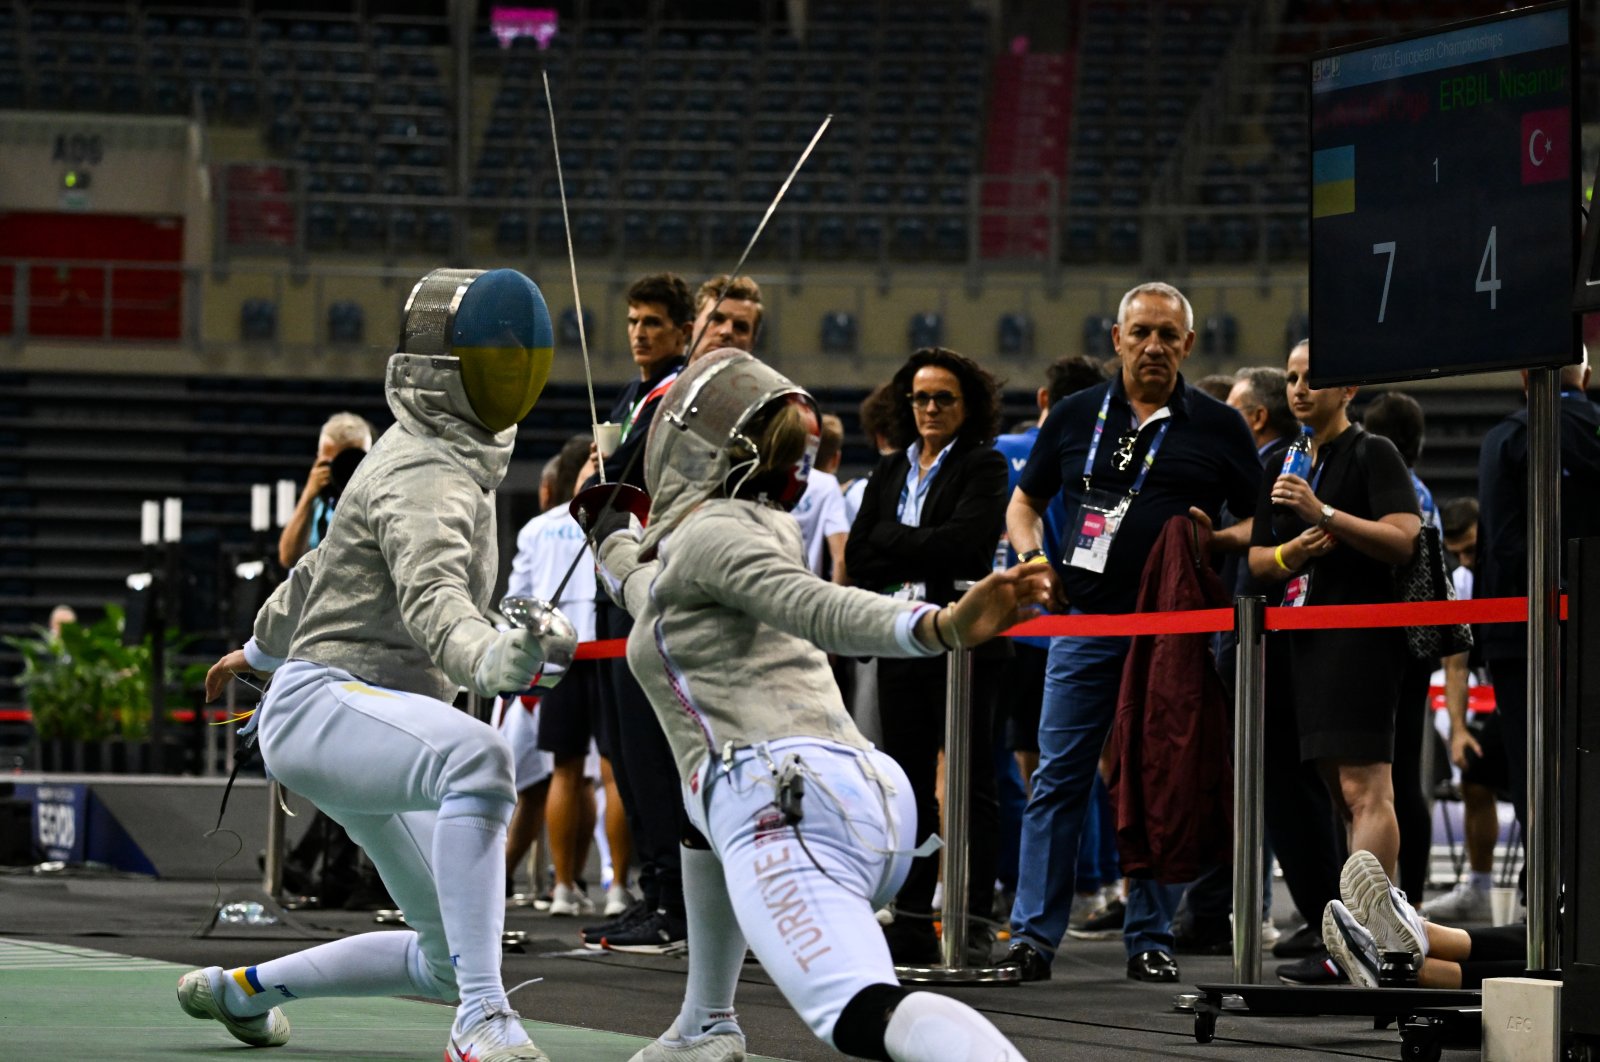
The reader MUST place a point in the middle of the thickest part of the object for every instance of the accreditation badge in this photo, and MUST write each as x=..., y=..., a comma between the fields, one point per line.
x=1296, y=590
x=1098, y=520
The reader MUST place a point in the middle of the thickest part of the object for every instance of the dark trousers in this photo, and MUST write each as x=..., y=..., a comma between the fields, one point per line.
x=1410, y=800
x=911, y=697
x=1510, y=677
x=1297, y=811
x=646, y=774
x=1501, y=951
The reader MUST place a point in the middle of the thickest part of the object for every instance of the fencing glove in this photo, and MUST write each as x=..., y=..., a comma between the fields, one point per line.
x=513, y=661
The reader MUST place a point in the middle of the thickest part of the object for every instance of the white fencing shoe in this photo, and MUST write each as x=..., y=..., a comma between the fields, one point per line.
x=714, y=1047
x=1382, y=908
x=200, y=996
x=497, y=1036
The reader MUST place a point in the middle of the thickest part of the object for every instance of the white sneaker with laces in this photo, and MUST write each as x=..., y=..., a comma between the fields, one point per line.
x=617, y=900
x=1270, y=933
x=1461, y=904
x=712, y=1047
x=1350, y=945
x=496, y=1036
x=1380, y=907
x=200, y=996
x=568, y=900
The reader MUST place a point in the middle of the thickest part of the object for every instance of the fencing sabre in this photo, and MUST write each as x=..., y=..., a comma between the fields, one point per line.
x=612, y=494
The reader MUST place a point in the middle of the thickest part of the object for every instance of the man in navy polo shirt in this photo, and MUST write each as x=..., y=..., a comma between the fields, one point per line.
x=1124, y=457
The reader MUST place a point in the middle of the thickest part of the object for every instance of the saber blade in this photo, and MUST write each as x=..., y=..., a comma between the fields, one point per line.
x=572, y=263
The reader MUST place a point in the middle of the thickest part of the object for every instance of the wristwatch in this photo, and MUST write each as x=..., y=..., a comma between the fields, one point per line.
x=1031, y=555
x=1327, y=515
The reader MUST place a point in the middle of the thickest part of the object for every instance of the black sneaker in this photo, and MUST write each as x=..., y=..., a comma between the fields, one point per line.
x=658, y=933
x=1297, y=945
x=912, y=941
x=1203, y=936
x=1028, y=959
x=1314, y=969
x=594, y=936
x=1104, y=925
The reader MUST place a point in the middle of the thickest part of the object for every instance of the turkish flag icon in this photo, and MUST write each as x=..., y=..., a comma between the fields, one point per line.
x=1546, y=146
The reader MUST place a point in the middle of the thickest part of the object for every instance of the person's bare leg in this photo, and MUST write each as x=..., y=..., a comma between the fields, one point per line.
x=1027, y=763
x=1481, y=823
x=1448, y=943
x=1367, y=791
x=617, y=835
x=564, y=819
x=1439, y=973
x=526, y=822
x=586, y=816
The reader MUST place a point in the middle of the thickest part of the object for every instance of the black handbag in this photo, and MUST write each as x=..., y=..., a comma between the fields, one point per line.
x=1425, y=578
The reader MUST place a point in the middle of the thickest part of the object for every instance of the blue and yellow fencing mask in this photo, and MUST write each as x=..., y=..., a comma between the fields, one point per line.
x=496, y=323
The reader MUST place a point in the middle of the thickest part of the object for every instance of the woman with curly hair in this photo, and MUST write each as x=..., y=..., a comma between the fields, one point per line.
x=932, y=514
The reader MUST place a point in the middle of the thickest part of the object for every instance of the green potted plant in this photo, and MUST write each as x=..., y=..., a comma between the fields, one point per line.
x=89, y=694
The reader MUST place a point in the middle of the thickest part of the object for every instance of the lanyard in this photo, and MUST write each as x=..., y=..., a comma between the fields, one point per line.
x=655, y=392
x=1149, y=455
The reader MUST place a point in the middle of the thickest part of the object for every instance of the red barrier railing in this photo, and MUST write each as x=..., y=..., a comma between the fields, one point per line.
x=1211, y=620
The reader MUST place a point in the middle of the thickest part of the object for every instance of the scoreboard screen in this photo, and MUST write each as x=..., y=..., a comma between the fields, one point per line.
x=1444, y=201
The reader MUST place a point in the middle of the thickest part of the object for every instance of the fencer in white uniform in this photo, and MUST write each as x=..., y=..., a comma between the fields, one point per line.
x=804, y=824
x=369, y=640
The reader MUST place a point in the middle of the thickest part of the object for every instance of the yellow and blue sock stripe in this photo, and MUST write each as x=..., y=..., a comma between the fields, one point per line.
x=245, y=978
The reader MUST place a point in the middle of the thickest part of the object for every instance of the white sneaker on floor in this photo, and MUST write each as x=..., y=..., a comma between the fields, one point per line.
x=497, y=1036
x=568, y=900
x=618, y=898
x=1461, y=904
x=715, y=1047
x=200, y=996
x=1380, y=907
x=1270, y=934
x=1084, y=906
x=1350, y=945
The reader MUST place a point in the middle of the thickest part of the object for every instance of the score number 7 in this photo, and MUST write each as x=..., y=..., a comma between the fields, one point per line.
x=1387, y=247
x=1488, y=280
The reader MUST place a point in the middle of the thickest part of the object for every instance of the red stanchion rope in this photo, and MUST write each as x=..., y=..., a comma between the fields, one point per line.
x=1210, y=620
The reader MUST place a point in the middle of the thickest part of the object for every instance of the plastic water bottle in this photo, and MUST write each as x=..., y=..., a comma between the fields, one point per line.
x=1297, y=460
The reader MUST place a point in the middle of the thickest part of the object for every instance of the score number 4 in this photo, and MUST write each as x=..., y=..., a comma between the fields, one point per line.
x=1488, y=273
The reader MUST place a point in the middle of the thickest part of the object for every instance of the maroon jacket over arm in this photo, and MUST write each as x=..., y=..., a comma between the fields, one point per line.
x=1171, y=781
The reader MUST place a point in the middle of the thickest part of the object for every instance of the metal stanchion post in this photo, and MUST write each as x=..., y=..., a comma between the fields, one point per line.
x=957, y=771
x=1544, y=658
x=272, y=865
x=1249, y=710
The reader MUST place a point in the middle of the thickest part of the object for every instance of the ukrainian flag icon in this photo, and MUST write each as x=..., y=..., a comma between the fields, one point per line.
x=1333, y=181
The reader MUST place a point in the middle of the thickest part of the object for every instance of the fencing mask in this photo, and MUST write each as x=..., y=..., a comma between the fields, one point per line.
x=496, y=323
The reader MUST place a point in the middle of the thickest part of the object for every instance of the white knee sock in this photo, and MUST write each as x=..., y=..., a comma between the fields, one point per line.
x=931, y=1028
x=716, y=948
x=371, y=964
x=469, y=861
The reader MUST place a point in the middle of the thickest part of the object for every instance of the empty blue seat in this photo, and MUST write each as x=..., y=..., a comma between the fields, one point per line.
x=838, y=333
x=438, y=232
x=258, y=320
x=1014, y=335
x=511, y=233
x=567, y=332
x=363, y=228
x=672, y=233
x=1097, y=336
x=926, y=330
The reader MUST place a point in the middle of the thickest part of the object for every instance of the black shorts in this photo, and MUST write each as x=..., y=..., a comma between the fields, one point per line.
x=564, y=711
x=1491, y=769
x=1022, y=696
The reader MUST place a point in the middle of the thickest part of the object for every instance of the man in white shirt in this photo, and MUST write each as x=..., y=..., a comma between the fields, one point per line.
x=821, y=512
x=550, y=732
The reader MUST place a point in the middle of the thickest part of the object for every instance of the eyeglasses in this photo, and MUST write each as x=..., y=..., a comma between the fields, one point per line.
x=942, y=399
